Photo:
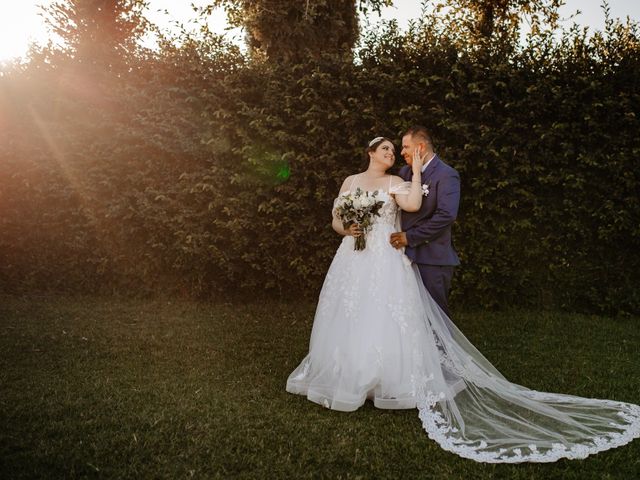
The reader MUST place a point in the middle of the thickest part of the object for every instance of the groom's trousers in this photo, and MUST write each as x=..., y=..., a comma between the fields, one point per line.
x=437, y=280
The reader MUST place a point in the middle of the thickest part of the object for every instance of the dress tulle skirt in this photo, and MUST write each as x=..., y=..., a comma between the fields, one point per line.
x=377, y=334
x=366, y=342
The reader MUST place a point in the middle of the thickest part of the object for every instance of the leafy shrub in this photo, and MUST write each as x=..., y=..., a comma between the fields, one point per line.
x=203, y=172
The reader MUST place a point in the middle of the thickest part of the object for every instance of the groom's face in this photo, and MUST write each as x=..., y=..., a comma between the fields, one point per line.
x=409, y=147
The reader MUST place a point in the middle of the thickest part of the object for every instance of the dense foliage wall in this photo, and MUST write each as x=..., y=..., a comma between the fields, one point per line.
x=200, y=172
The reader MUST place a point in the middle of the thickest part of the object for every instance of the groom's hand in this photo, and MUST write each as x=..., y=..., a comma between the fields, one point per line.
x=398, y=240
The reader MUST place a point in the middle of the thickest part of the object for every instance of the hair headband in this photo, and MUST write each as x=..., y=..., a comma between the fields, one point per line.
x=377, y=139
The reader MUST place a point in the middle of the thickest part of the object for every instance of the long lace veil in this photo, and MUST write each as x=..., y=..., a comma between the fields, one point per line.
x=470, y=409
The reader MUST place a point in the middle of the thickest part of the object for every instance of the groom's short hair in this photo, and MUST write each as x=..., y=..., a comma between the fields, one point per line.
x=420, y=132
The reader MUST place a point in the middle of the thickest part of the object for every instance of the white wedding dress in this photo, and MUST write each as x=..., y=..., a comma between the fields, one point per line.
x=378, y=334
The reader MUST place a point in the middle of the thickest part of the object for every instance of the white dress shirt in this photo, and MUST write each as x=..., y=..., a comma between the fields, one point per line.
x=424, y=167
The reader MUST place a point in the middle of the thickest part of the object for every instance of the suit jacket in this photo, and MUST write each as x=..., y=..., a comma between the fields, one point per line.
x=429, y=229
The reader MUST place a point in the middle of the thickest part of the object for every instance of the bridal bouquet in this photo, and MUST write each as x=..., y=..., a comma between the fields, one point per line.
x=358, y=207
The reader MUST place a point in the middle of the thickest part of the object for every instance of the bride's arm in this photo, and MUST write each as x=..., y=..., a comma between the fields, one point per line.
x=336, y=223
x=411, y=201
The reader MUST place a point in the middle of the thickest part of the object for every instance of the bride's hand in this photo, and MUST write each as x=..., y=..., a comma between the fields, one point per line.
x=354, y=230
x=418, y=162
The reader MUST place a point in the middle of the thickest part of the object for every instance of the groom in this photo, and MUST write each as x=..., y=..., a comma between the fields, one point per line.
x=426, y=234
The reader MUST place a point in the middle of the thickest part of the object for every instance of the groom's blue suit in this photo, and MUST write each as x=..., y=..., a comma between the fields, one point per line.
x=428, y=230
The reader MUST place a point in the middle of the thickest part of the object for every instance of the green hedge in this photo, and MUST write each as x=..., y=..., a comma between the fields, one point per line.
x=204, y=173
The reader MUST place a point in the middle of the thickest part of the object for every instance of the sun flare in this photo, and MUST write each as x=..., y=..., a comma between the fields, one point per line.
x=20, y=25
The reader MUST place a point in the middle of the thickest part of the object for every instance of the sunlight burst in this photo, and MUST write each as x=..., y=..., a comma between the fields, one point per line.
x=20, y=25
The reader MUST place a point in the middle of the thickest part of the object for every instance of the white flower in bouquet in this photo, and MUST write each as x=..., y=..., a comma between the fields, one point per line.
x=368, y=201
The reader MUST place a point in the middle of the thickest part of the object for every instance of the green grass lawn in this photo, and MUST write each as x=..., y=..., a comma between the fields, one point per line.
x=112, y=388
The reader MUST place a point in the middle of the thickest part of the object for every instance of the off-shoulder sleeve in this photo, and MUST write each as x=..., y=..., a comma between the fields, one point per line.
x=402, y=188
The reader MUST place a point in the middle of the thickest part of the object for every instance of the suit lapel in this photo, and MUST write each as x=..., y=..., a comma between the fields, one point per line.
x=426, y=175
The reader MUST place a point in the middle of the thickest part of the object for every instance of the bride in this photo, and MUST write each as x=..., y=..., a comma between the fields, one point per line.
x=378, y=334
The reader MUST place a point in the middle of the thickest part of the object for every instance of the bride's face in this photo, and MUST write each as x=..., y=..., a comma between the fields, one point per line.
x=384, y=154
